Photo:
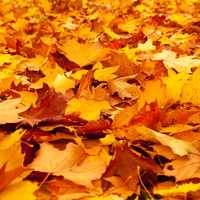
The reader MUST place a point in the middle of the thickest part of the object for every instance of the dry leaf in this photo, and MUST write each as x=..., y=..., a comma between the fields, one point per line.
x=22, y=190
x=178, y=146
x=88, y=109
x=125, y=89
x=82, y=54
x=14, y=107
x=72, y=163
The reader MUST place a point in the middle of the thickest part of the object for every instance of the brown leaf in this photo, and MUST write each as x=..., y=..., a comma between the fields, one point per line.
x=126, y=163
x=8, y=176
x=51, y=106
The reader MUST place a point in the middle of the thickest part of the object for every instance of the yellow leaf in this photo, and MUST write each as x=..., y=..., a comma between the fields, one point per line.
x=50, y=75
x=176, y=128
x=11, y=139
x=108, y=139
x=154, y=91
x=111, y=34
x=131, y=53
x=82, y=54
x=184, y=188
x=182, y=19
x=147, y=46
x=78, y=74
x=12, y=157
x=191, y=89
x=48, y=40
x=5, y=58
x=45, y=4
x=129, y=25
x=88, y=109
x=22, y=190
x=110, y=197
x=104, y=74
x=174, y=83
x=61, y=83
x=28, y=99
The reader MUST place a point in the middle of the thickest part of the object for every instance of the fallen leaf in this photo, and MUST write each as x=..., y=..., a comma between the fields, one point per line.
x=183, y=188
x=12, y=162
x=110, y=197
x=49, y=107
x=125, y=89
x=72, y=163
x=190, y=91
x=11, y=139
x=82, y=54
x=178, y=79
x=124, y=117
x=104, y=74
x=154, y=91
x=125, y=165
x=181, y=64
x=62, y=83
x=88, y=109
x=22, y=190
x=178, y=146
x=184, y=168
x=8, y=176
x=14, y=106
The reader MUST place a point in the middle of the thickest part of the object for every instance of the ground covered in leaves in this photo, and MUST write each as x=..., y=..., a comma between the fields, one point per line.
x=99, y=100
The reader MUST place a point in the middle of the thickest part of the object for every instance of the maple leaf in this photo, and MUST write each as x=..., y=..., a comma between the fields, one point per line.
x=88, y=109
x=125, y=66
x=125, y=165
x=179, y=80
x=8, y=176
x=67, y=190
x=21, y=190
x=184, y=168
x=10, y=140
x=190, y=91
x=14, y=107
x=181, y=64
x=49, y=107
x=123, y=88
x=154, y=91
x=109, y=197
x=178, y=146
x=129, y=25
x=183, y=188
x=82, y=54
x=124, y=117
x=118, y=187
x=72, y=163
x=7, y=154
x=147, y=46
x=104, y=74
x=62, y=83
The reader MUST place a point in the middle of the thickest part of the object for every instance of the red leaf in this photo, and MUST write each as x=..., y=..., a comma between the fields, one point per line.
x=8, y=176
x=51, y=106
x=125, y=165
x=149, y=116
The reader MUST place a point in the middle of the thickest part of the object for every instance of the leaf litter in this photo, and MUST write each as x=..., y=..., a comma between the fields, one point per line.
x=99, y=100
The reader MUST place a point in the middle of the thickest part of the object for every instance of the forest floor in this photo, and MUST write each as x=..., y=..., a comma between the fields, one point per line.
x=99, y=100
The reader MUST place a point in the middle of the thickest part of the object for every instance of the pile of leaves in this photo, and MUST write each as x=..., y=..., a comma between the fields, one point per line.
x=99, y=100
